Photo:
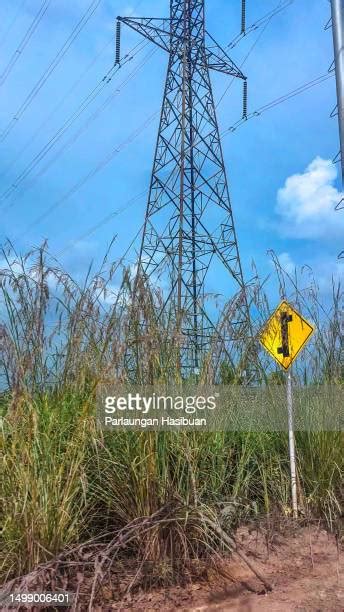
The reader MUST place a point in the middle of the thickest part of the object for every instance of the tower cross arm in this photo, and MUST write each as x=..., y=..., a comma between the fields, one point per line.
x=217, y=59
x=156, y=30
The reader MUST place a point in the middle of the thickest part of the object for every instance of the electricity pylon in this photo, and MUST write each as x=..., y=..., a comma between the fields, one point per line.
x=189, y=227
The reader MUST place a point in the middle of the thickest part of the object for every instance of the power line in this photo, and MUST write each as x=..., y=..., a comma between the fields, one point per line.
x=106, y=219
x=51, y=68
x=260, y=22
x=103, y=222
x=84, y=104
x=55, y=109
x=70, y=121
x=115, y=213
x=256, y=113
x=95, y=92
x=269, y=105
x=12, y=23
x=92, y=173
x=25, y=40
x=266, y=21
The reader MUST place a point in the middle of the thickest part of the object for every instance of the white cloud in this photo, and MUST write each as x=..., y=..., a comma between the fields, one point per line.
x=286, y=263
x=306, y=203
x=328, y=271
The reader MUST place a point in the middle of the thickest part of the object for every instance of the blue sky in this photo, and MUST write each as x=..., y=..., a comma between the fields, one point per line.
x=282, y=184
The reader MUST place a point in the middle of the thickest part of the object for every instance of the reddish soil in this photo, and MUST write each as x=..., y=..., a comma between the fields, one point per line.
x=306, y=570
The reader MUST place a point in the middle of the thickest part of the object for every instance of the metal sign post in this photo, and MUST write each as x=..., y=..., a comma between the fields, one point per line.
x=283, y=336
x=292, y=455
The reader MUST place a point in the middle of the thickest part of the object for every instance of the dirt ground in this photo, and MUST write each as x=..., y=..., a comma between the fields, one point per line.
x=306, y=570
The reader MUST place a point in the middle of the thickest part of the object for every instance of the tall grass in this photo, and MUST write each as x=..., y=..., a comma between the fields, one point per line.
x=66, y=481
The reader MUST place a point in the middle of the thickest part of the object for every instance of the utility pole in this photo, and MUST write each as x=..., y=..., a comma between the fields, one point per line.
x=337, y=8
x=189, y=232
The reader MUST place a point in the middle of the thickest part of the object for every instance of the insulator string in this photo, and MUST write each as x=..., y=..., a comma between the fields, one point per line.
x=243, y=16
x=118, y=42
x=244, y=102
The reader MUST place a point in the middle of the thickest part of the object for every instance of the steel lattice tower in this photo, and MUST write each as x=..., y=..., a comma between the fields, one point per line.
x=189, y=223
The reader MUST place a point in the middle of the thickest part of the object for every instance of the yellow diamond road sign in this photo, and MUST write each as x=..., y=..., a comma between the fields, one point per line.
x=285, y=334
